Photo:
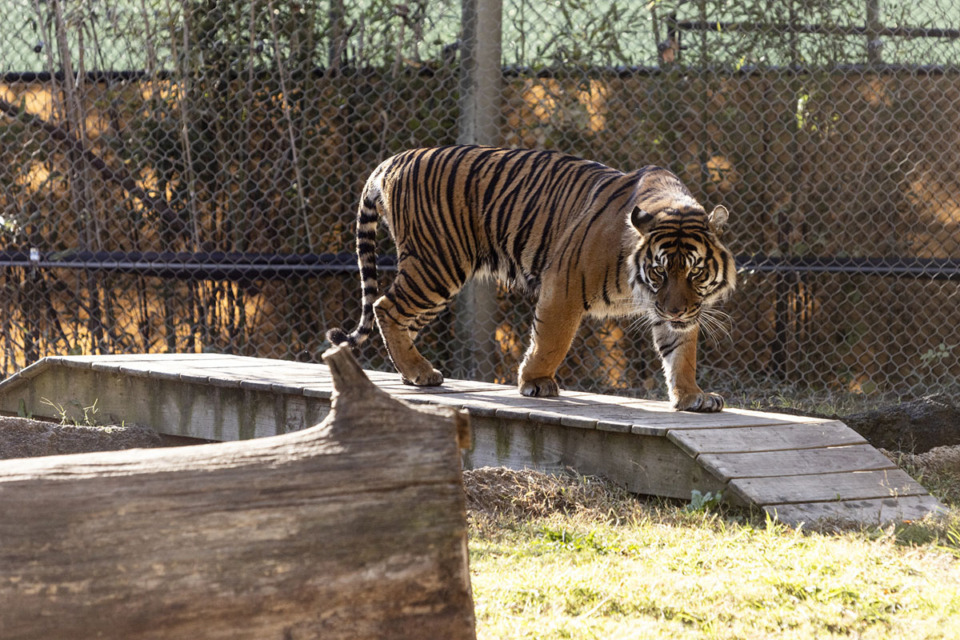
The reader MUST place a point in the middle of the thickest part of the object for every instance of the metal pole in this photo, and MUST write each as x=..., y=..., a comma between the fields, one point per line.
x=481, y=77
x=480, y=73
x=874, y=43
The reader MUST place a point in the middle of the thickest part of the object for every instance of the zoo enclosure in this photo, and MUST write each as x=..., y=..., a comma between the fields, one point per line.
x=183, y=176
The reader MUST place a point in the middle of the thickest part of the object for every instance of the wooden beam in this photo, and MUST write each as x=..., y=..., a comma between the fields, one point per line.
x=859, y=457
x=866, y=512
x=811, y=435
x=824, y=487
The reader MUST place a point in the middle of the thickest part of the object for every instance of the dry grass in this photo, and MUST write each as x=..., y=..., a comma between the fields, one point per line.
x=495, y=493
x=938, y=470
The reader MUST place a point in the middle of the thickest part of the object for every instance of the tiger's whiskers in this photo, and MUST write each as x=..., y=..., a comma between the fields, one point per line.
x=715, y=325
x=641, y=322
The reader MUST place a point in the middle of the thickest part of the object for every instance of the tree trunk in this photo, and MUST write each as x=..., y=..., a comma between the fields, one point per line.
x=354, y=528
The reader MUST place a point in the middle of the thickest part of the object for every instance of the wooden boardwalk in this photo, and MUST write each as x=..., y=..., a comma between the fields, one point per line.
x=797, y=468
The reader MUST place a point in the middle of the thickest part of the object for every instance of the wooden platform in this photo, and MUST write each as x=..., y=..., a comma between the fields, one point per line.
x=798, y=469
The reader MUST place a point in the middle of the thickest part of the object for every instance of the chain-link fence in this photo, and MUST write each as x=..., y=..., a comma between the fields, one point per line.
x=182, y=175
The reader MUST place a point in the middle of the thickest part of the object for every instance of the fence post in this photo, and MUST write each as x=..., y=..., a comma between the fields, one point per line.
x=481, y=78
x=874, y=43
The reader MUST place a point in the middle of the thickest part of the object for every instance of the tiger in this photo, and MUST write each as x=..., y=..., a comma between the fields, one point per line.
x=583, y=238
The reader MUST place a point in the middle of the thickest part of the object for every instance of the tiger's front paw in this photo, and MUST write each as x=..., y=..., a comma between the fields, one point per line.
x=426, y=378
x=540, y=388
x=699, y=401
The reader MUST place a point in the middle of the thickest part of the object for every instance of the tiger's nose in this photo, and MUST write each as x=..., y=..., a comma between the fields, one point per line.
x=673, y=312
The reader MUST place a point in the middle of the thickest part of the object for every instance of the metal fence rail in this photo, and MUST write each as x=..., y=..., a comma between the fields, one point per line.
x=184, y=175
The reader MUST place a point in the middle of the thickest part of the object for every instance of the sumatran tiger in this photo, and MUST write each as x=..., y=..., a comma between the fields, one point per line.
x=584, y=238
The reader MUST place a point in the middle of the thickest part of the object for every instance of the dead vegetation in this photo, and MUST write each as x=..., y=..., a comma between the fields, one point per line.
x=497, y=493
x=937, y=469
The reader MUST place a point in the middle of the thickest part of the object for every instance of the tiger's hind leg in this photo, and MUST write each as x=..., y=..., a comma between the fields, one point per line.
x=400, y=315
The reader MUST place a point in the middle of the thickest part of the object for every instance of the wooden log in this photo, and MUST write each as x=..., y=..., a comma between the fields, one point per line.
x=355, y=528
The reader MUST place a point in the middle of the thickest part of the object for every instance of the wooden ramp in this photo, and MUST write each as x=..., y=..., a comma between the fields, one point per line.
x=797, y=468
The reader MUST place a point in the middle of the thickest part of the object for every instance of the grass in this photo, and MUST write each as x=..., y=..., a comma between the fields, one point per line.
x=576, y=558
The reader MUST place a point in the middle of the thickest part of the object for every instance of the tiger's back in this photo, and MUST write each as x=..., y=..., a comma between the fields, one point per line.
x=488, y=210
x=547, y=222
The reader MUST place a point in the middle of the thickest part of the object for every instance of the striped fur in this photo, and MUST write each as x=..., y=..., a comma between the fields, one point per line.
x=582, y=237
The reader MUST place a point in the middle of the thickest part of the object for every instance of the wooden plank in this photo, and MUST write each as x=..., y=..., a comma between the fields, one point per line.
x=737, y=418
x=168, y=405
x=506, y=396
x=723, y=420
x=779, y=437
x=885, y=483
x=138, y=357
x=229, y=365
x=219, y=366
x=398, y=387
x=662, y=407
x=203, y=361
x=501, y=395
x=271, y=368
x=586, y=398
x=869, y=512
x=232, y=371
x=479, y=403
x=144, y=362
x=166, y=369
x=646, y=417
x=798, y=462
x=265, y=375
x=518, y=408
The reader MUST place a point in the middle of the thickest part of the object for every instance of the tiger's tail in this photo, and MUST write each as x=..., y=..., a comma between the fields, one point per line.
x=367, y=218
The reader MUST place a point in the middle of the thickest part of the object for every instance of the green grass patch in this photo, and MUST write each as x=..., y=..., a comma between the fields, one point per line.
x=605, y=565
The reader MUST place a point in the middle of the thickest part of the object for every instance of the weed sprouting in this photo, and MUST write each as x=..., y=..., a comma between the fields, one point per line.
x=88, y=414
x=703, y=502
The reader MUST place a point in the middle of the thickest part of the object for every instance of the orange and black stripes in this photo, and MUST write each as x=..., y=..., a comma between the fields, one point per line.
x=585, y=238
x=458, y=211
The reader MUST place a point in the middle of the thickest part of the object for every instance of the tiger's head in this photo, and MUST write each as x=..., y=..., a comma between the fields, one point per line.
x=679, y=268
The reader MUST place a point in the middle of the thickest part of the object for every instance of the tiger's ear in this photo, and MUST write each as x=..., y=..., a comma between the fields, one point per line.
x=646, y=181
x=718, y=219
x=641, y=220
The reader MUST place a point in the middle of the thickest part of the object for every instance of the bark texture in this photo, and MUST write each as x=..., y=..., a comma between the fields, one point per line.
x=354, y=528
